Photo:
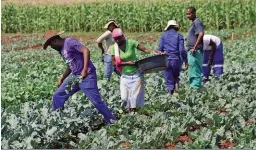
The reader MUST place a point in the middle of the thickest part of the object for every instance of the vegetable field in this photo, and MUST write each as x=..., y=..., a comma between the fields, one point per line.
x=220, y=115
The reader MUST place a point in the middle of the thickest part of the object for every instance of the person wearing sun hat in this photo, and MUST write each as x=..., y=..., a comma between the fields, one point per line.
x=79, y=65
x=107, y=37
x=131, y=82
x=172, y=44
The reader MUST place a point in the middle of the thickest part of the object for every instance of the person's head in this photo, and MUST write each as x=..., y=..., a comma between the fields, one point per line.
x=118, y=36
x=111, y=25
x=53, y=39
x=172, y=24
x=191, y=13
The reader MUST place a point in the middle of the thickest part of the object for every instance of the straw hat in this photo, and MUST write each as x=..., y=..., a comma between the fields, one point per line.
x=171, y=23
x=49, y=35
x=109, y=22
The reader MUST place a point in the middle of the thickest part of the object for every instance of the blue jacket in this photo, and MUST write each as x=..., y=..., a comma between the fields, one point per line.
x=172, y=43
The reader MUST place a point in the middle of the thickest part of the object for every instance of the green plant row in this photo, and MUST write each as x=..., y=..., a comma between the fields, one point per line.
x=132, y=16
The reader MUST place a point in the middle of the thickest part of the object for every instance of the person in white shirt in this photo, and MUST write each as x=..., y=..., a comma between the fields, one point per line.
x=213, y=56
x=107, y=36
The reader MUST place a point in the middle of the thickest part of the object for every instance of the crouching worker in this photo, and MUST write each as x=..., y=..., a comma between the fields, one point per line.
x=124, y=56
x=213, y=56
x=77, y=57
x=172, y=44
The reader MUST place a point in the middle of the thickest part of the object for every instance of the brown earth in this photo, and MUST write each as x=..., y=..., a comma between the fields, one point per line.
x=170, y=145
x=125, y=145
x=226, y=144
x=88, y=38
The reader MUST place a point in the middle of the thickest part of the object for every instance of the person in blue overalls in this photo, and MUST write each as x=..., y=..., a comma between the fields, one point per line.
x=172, y=43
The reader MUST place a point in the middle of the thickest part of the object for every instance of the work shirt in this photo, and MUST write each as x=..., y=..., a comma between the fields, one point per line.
x=208, y=38
x=172, y=43
x=193, y=32
x=128, y=55
x=71, y=53
x=107, y=36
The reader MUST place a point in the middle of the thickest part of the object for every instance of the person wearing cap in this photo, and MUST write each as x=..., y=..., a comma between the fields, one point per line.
x=213, y=56
x=107, y=36
x=195, y=49
x=124, y=56
x=172, y=44
x=79, y=65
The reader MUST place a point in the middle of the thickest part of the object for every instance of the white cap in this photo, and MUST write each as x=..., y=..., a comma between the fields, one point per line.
x=171, y=23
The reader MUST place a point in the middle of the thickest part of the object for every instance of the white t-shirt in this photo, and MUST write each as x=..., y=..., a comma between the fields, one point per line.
x=207, y=39
x=107, y=36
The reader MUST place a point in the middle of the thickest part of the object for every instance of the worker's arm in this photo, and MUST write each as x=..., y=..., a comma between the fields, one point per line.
x=101, y=39
x=182, y=51
x=146, y=50
x=100, y=45
x=213, y=45
x=86, y=55
x=199, y=31
x=199, y=39
x=64, y=76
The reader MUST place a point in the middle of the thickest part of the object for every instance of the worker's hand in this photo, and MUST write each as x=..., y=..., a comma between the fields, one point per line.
x=129, y=63
x=192, y=51
x=209, y=63
x=210, y=58
x=159, y=52
x=84, y=74
x=186, y=65
x=60, y=81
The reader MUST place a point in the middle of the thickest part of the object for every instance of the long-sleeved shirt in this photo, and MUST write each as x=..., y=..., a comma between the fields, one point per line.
x=107, y=36
x=172, y=43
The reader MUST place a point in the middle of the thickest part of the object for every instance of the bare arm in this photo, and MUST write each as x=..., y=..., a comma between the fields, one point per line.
x=64, y=76
x=66, y=73
x=146, y=50
x=123, y=63
x=213, y=45
x=199, y=30
x=86, y=55
x=103, y=37
x=199, y=39
x=100, y=45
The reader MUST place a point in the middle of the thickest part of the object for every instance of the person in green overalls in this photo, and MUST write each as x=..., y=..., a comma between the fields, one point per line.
x=195, y=48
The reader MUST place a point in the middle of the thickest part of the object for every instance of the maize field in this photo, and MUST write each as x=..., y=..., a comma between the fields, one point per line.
x=132, y=16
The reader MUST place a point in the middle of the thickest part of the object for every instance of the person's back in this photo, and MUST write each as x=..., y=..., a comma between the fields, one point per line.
x=207, y=39
x=171, y=43
x=213, y=56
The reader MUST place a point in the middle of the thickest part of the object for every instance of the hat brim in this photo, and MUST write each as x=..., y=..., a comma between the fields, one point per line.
x=46, y=43
x=106, y=25
x=176, y=25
